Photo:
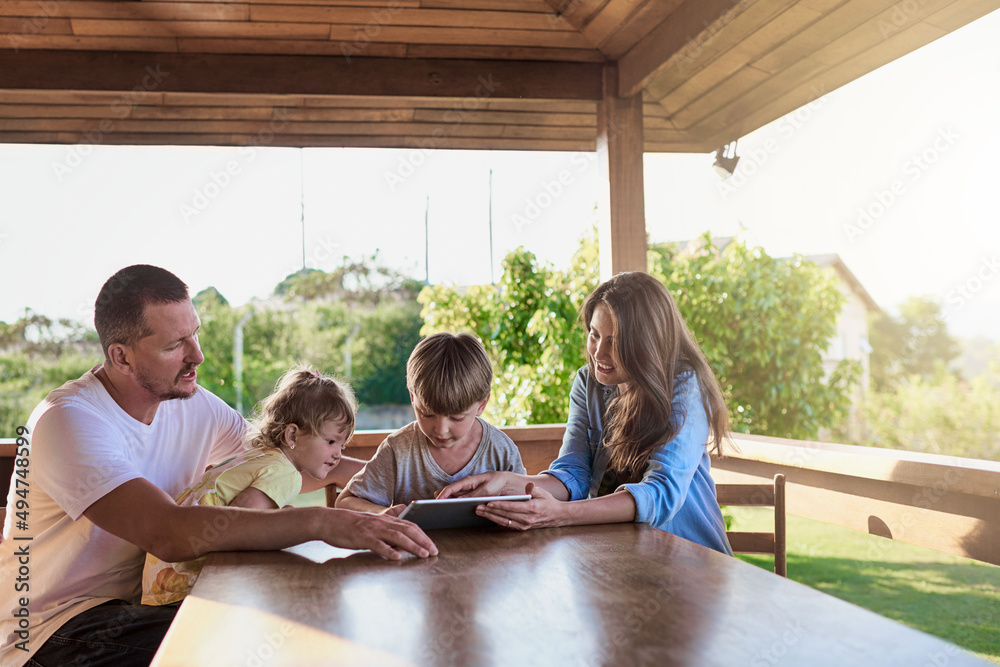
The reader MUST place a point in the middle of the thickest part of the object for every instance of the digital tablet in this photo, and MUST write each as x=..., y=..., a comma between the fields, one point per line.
x=452, y=512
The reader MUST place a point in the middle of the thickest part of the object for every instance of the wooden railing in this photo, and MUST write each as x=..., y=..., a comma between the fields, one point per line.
x=945, y=503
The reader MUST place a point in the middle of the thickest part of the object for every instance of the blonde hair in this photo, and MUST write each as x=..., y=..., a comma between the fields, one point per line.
x=656, y=350
x=449, y=372
x=305, y=398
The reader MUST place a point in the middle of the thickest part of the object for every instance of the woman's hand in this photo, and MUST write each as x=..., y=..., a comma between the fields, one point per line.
x=483, y=484
x=542, y=511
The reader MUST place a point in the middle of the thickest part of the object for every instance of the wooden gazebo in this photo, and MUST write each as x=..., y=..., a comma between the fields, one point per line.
x=617, y=76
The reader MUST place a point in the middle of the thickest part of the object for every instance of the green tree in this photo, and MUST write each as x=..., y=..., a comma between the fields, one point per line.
x=763, y=323
x=37, y=354
x=916, y=343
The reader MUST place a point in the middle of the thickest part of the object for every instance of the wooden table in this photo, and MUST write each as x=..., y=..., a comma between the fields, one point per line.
x=621, y=594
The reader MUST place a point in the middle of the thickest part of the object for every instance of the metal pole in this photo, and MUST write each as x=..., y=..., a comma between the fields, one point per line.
x=302, y=203
x=427, y=242
x=238, y=358
x=492, y=281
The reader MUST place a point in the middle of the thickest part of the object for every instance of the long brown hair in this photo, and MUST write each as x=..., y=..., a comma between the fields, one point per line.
x=655, y=349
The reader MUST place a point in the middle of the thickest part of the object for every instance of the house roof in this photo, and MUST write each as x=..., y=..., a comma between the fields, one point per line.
x=834, y=262
x=495, y=74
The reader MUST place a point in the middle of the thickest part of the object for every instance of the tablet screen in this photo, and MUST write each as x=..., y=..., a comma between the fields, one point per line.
x=452, y=512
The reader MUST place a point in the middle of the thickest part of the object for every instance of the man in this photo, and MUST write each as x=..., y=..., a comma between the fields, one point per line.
x=108, y=452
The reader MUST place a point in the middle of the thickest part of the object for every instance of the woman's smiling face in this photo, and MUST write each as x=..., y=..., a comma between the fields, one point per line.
x=601, y=348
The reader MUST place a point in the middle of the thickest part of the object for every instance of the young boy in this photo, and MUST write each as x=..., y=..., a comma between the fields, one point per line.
x=449, y=378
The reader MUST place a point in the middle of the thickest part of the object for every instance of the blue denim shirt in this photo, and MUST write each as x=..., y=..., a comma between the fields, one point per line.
x=677, y=493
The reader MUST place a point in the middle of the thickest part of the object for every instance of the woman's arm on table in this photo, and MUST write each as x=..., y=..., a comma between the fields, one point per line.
x=546, y=511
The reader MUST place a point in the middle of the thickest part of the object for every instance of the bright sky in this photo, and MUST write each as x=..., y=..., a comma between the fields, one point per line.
x=913, y=146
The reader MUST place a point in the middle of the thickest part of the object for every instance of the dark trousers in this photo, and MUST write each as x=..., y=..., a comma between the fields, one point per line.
x=115, y=633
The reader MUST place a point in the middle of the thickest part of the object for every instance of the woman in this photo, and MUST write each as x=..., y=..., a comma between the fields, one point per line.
x=641, y=413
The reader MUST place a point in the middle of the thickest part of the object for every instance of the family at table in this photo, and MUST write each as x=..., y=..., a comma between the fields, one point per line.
x=134, y=473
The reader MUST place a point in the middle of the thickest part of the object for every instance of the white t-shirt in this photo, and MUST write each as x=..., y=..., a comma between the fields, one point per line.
x=82, y=446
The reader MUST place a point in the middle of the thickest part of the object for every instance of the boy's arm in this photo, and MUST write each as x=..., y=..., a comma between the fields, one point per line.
x=141, y=513
x=348, y=501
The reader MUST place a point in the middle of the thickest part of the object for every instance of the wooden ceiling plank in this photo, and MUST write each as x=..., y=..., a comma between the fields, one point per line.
x=227, y=139
x=578, y=13
x=505, y=118
x=154, y=28
x=81, y=44
x=374, y=20
x=835, y=23
x=641, y=24
x=349, y=115
x=277, y=47
x=376, y=4
x=733, y=88
x=166, y=11
x=958, y=14
x=870, y=34
x=503, y=53
x=302, y=75
x=653, y=52
x=735, y=58
x=466, y=36
x=15, y=30
x=729, y=116
x=537, y=6
x=754, y=23
x=609, y=20
x=770, y=108
x=36, y=111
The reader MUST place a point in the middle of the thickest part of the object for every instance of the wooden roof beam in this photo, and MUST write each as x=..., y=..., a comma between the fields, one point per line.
x=298, y=75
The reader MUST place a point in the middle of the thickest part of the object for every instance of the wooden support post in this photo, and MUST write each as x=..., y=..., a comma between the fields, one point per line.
x=622, y=230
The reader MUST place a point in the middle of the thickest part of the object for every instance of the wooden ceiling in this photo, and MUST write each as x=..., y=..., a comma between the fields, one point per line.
x=498, y=74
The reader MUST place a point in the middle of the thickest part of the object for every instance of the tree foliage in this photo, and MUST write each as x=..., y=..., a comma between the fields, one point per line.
x=363, y=314
x=914, y=344
x=763, y=323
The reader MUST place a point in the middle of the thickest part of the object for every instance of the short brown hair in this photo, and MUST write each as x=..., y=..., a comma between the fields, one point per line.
x=120, y=309
x=449, y=372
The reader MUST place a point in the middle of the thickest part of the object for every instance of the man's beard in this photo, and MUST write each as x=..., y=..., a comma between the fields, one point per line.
x=169, y=393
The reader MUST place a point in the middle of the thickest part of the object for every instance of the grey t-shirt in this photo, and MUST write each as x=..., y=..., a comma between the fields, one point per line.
x=403, y=469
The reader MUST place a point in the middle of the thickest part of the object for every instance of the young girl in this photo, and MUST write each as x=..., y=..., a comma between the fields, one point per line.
x=298, y=430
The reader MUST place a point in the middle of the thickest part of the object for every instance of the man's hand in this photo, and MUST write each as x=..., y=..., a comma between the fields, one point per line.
x=387, y=536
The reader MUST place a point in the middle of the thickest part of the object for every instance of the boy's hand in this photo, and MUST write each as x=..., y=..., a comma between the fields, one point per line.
x=395, y=510
x=483, y=484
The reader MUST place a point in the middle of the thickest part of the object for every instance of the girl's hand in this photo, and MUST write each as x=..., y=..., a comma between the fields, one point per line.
x=483, y=484
x=395, y=510
x=542, y=511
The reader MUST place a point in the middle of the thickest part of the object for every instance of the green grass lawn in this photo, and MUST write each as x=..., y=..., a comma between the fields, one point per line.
x=956, y=599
